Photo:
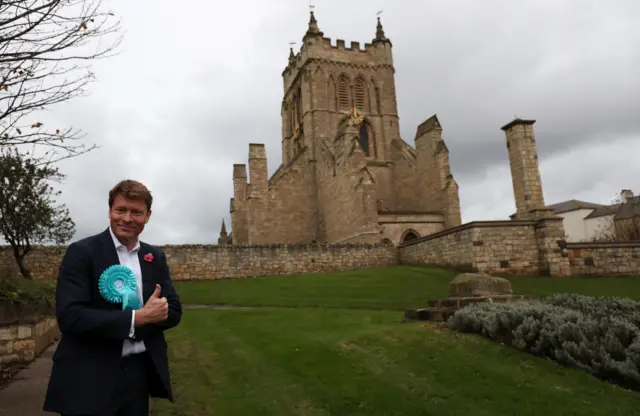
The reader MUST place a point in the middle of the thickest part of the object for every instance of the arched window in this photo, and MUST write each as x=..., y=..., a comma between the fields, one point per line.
x=360, y=94
x=364, y=138
x=409, y=235
x=343, y=92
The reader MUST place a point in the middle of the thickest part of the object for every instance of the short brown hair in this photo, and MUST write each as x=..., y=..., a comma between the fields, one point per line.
x=131, y=189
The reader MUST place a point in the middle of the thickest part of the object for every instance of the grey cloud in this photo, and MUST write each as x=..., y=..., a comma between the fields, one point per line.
x=563, y=65
x=191, y=90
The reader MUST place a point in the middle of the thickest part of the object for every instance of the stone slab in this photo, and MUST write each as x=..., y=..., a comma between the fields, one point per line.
x=479, y=284
x=24, y=396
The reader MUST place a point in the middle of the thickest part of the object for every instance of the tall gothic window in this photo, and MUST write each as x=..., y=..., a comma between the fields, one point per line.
x=364, y=138
x=331, y=94
x=299, y=106
x=343, y=92
x=290, y=112
x=360, y=94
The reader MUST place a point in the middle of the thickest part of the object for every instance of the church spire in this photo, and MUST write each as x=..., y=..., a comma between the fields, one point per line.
x=224, y=238
x=292, y=56
x=313, y=30
x=223, y=230
x=380, y=37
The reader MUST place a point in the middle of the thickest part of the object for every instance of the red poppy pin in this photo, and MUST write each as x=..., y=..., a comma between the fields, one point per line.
x=148, y=257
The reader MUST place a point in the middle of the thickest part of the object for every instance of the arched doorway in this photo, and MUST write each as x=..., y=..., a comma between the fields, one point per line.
x=409, y=235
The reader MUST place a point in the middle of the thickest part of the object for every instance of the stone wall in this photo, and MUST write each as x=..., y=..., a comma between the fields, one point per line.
x=532, y=248
x=236, y=261
x=498, y=247
x=42, y=261
x=396, y=224
x=604, y=259
x=25, y=332
x=501, y=247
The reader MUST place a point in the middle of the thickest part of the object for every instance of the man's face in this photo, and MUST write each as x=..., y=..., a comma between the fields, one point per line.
x=128, y=217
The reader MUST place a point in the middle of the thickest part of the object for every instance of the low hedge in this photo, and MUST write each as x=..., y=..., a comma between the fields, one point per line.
x=598, y=335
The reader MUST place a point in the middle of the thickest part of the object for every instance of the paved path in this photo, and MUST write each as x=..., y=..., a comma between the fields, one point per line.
x=25, y=393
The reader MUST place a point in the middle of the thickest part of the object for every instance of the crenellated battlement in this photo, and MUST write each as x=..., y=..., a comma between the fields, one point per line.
x=353, y=46
x=318, y=48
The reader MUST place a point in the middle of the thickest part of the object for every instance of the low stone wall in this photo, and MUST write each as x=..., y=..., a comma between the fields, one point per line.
x=25, y=331
x=43, y=261
x=496, y=247
x=235, y=261
x=499, y=247
x=604, y=259
x=220, y=262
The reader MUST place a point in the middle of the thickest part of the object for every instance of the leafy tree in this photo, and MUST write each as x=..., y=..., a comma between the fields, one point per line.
x=28, y=215
x=42, y=46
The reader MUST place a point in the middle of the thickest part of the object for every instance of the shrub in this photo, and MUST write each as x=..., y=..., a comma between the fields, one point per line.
x=21, y=290
x=606, y=346
x=599, y=307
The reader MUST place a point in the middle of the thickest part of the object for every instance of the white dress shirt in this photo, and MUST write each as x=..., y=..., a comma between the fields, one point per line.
x=130, y=259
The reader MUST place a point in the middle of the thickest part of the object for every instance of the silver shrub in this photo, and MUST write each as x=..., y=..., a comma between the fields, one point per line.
x=596, y=337
x=599, y=306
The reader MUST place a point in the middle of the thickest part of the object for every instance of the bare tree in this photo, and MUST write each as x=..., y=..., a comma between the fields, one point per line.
x=624, y=222
x=28, y=214
x=44, y=47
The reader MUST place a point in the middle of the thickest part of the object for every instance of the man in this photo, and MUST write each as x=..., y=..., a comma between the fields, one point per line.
x=110, y=361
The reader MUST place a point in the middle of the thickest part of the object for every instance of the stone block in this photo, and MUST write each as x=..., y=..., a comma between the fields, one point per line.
x=9, y=333
x=479, y=285
x=6, y=347
x=11, y=358
x=25, y=331
x=24, y=345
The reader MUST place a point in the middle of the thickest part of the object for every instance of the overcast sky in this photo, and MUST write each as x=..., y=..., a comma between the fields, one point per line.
x=197, y=81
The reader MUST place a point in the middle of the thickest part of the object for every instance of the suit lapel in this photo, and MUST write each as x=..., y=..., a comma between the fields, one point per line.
x=148, y=284
x=108, y=256
x=109, y=253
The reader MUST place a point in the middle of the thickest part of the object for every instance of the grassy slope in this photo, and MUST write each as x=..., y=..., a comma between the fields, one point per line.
x=350, y=362
x=327, y=360
x=392, y=288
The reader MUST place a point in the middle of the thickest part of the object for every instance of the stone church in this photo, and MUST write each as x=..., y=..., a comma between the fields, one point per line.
x=346, y=174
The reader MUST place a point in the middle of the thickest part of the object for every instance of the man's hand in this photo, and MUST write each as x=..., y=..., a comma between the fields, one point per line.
x=155, y=310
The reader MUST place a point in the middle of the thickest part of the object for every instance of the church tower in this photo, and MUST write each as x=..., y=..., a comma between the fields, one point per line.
x=325, y=83
x=346, y=174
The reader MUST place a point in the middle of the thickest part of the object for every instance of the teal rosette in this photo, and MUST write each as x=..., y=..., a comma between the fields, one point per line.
x=117, y=284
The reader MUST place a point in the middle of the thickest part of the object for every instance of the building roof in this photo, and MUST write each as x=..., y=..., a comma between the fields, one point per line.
x=604, y=211
x=629, y=209
x=573, y=205
x=621, y=211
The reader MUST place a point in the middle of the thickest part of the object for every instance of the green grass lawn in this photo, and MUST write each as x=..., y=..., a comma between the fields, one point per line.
x=390, y=288
x=331, y=353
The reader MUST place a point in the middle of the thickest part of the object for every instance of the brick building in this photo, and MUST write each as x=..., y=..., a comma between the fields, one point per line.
x=346, y=174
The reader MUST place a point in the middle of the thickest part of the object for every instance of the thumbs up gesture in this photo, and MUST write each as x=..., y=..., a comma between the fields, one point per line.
x=156, y=292
x=155, y=310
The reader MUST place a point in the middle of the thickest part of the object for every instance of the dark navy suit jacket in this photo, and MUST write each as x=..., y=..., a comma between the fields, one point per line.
x=86, y=361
